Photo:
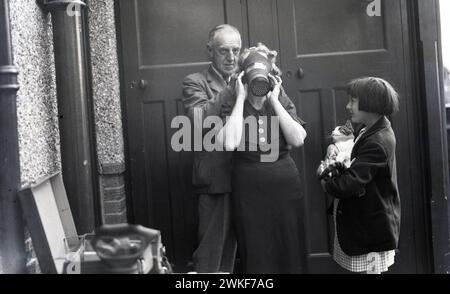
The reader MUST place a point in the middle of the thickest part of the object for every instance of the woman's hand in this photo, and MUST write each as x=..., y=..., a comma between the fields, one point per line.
x=275, y=93
x=240, y=88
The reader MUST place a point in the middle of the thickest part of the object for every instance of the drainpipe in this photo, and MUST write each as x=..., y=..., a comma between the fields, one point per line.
x=12, y=243
x=73, y=109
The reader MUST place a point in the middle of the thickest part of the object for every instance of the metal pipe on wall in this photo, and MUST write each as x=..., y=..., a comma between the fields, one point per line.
x=12, y=243
x=73, y=109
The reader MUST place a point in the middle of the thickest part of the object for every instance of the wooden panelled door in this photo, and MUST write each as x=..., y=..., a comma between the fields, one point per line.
x=162, y=42
x=322, y=44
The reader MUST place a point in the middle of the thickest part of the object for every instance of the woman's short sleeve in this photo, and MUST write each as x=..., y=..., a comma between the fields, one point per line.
x=290, y=107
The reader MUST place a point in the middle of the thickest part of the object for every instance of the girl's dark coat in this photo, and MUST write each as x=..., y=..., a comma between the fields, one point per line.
x=368, y=214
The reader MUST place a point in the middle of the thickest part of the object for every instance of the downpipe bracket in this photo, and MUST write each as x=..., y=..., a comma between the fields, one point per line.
x=70, y=5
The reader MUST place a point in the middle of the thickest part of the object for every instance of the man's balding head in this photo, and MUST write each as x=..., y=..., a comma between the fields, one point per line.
x=223, y=28
x=224, y=46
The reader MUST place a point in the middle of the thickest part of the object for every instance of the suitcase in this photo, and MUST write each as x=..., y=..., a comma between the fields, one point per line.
x=121, y=248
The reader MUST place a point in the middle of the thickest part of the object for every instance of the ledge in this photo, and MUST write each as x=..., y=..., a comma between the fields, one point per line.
x=49, y=5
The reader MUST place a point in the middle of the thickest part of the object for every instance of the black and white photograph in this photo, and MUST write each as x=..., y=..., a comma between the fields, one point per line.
x=245, y=138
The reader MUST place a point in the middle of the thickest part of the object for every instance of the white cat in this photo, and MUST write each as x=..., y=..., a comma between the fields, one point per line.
x=341, y=148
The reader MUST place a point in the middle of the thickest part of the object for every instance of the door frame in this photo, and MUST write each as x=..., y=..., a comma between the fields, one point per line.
x=421, y=20
x=425, y=83
x=427, y=53
x=417, y=131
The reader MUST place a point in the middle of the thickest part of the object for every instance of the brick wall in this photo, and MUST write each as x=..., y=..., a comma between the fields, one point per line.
x=112, y=191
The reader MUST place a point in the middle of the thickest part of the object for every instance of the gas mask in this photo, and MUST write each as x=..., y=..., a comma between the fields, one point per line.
x=257, y=68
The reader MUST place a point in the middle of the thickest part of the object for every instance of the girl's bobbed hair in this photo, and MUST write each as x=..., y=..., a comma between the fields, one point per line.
x=374, y=95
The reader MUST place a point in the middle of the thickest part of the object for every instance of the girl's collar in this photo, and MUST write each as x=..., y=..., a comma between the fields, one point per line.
x=381, y=123
x=373, y=121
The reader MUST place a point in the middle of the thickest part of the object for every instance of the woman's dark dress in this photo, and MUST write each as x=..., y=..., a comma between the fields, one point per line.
x=267, y=201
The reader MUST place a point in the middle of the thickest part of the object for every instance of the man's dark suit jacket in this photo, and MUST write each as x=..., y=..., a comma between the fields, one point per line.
x=368, y=213
x=204, y=93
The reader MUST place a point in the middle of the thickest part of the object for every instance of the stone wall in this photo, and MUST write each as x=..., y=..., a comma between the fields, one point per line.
x=37, y=112
x=108, y=118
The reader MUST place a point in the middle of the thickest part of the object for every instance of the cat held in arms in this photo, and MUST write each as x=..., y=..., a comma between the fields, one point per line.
x=338, y=151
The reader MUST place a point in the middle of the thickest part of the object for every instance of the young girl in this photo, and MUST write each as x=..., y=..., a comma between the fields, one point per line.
x=366, y=198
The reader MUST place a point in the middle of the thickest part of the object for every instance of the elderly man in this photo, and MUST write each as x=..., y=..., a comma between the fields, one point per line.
x=202, y=93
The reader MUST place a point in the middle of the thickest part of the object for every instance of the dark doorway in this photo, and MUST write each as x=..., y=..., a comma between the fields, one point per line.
x=322, y=44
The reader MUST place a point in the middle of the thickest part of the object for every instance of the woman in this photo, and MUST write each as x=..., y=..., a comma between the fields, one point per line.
x=266, y=195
